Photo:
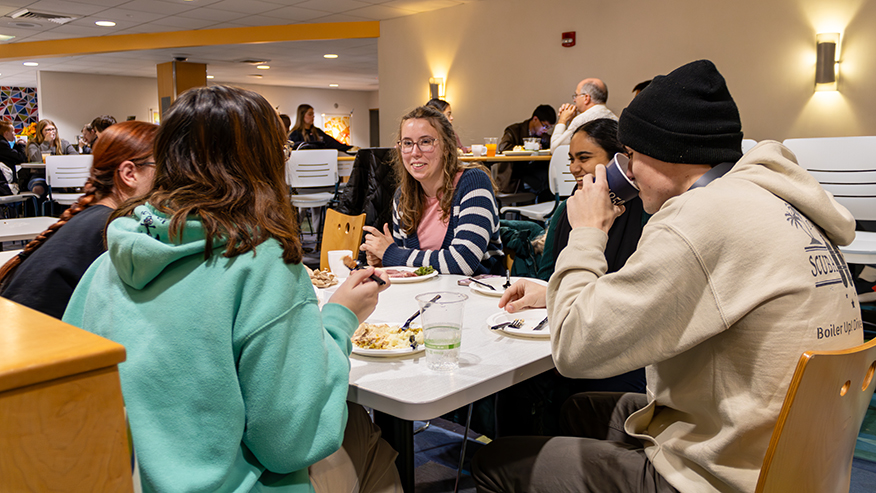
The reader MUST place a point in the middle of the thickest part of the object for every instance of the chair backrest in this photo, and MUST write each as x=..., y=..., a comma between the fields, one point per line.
x=845, y=167
x=747, y=144
x=68, y=171
x=312, y=168
x=345, y=168
x=340, y=232
x=560, y=178
x=813, y=442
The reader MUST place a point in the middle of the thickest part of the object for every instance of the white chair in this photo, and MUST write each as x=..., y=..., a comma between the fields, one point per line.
x=845, y=167
x=313, y=168
x=70, y=171
x=561, y=183
x=747, y=144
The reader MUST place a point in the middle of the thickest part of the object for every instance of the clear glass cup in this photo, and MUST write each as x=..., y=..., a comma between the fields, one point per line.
x=491, y=143
x=442, y=328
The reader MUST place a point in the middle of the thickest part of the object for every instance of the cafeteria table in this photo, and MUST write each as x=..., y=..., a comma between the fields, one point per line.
x=403, y=389
x=487, y=160
x=25, y=228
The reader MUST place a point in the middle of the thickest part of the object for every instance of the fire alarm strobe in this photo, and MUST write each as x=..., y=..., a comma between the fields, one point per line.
x=569, y=39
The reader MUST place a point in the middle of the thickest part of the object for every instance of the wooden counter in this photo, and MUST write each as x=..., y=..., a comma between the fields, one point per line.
x=62, y=423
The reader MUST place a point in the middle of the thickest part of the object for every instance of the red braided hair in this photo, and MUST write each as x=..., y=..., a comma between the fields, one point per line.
x=127, y=141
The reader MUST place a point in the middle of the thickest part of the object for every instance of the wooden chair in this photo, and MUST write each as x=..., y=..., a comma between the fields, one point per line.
x=813, y=442
x=341, y=232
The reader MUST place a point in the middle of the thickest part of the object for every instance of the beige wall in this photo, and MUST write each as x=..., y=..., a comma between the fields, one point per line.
x=71, y=100
x=501, y=58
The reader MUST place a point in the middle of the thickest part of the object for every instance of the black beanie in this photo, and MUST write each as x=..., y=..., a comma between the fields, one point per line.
x=686, y=117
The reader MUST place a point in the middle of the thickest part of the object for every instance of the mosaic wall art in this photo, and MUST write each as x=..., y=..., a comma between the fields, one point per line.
x=18, y=105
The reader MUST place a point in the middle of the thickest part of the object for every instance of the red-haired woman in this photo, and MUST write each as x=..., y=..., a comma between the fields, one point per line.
x=45, y=273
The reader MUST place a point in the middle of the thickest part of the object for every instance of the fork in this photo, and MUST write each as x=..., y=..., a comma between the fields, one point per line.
x=407, y=324
x=514, y=324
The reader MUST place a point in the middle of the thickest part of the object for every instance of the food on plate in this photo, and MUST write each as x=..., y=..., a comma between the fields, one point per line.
x=323, y=278
x=518, y=148
x=385, y=336
x=399, y=273
x=349, y=262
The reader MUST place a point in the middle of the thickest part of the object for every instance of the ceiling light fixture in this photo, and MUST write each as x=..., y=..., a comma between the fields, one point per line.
x=105, y=23
x=5, y=37
x=263, y=67
x=210, y=77
x=257, y=76
x=30, y=64
x=330, y=55
x=333, y=85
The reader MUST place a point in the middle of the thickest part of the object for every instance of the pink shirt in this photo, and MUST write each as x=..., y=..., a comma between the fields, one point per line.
x=432, y=229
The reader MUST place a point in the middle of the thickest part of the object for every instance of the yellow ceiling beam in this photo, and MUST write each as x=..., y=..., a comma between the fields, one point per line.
x=184, y=39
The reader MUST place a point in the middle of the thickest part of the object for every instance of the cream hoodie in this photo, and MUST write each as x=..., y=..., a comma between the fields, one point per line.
x=730, y=284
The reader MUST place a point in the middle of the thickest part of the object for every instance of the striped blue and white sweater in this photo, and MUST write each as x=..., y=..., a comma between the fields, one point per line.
x=472, y=244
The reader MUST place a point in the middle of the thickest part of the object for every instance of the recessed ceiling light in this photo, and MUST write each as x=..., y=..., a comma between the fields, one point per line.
x=30, y=64
x=5, y=37
x=333, y=85
x=105, y=23
x=209, y=76
x=257, y=76
x=330, y=55
x=263, y=67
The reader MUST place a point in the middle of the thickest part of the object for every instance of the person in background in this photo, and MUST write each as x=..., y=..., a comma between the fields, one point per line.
x=86, y=138
x=447, y=111
x=99, y=124
x=287, y=123
x=12, y=153
x=45, y=273
x=718, y=303
x=46, y=141
x=533, y=174
x=305, y=131
x=254, y=398
x=444, y=213
x=588, y=103
x=640, y=87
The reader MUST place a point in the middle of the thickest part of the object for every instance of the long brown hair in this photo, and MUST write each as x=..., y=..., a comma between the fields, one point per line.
x=412, y=199
x=306, y=133
x=128, y=141
x=39, y=138
x=219, y=154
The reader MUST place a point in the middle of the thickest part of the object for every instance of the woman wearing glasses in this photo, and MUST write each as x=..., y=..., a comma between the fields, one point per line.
x=45, y=273
x=444, y=212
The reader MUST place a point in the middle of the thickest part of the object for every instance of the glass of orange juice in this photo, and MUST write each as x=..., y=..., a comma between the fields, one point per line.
x=491, y=143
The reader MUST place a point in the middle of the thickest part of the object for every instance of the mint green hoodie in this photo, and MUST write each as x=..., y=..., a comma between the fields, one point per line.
x=234, y=379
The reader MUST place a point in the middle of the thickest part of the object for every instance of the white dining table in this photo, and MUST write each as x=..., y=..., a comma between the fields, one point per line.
x=403, y=389
x=24, y=228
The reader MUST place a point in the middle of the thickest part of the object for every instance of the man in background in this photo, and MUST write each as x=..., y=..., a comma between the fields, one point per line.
x=533, y=174
x=588, y=104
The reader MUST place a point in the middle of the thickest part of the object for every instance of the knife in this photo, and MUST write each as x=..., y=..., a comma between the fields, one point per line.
x=540, y=324
x=472, y=279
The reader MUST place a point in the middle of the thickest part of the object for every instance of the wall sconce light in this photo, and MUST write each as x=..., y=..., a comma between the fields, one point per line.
x=436, y=88
x=827, y=61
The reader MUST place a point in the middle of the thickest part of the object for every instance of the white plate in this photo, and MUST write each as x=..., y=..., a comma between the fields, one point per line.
x=388, y=353
x=406, y=280
x=519, y=153
x=531, y=318
x=498, y=282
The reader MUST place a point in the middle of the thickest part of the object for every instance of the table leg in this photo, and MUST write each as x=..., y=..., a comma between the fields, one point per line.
x=400, y=434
